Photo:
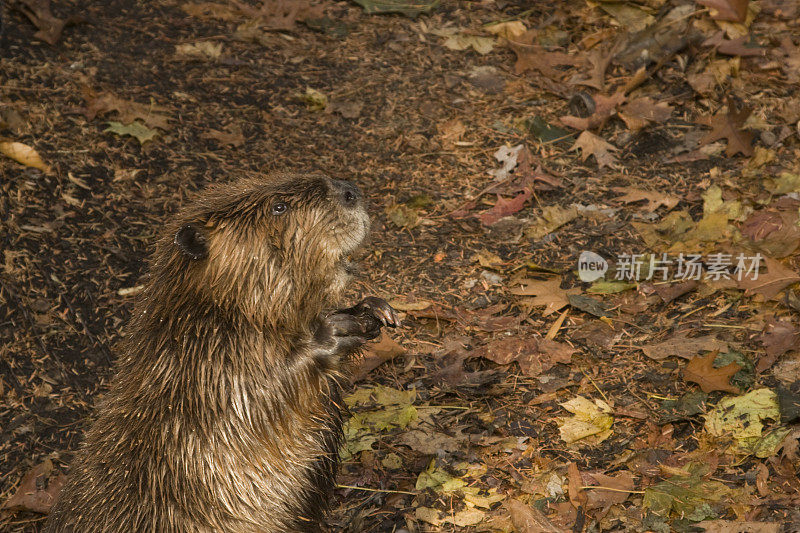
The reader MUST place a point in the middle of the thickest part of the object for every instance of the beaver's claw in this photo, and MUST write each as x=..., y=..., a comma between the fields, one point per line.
x=379, y=309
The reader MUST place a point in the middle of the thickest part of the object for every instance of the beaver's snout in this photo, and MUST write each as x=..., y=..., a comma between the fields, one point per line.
x=349, y=194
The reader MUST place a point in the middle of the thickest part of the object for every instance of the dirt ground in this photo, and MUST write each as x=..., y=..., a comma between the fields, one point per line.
x=385, y=101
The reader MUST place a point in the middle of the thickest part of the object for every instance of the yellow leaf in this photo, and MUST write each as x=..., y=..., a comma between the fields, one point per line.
x=22, y=153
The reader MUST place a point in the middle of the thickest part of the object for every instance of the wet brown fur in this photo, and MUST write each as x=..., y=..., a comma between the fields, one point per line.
x=223, y=414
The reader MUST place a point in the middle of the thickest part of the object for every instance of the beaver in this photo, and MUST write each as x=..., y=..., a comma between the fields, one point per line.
x=224, y=413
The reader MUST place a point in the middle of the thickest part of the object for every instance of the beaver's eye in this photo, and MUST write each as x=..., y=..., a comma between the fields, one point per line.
x=279, y=208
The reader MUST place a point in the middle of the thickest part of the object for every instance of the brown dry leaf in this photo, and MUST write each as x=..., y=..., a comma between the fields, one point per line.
x=535, y=57
x=233, y=137
x=38, y=12
x=701, y=370
x=729, y=126
x=779, y=337
x=618, y=489
x=29, y=497
x=730, y=10
x=508, y=30
x=377, y=353
x=774, y=230
x=277, y=15
x=670, y=291
x=680, y=345
x=591, y=144
x=640, y=112
x=527, y=519
x=654, y=199
x=577, y=496
x=547, y=294
x=769, y=284
x=99, y=104
x=24, y=154
x=534, y=354
x=505, y=207
x=605, y=108
x=599, y=59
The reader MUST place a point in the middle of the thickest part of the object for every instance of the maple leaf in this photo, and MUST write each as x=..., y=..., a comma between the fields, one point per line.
x=701, y=370
x=769, y=284
x=654, y=199
x=730, y=10
x=729, y=126
x=547, y=294
x=605, y=108
x=591, y=144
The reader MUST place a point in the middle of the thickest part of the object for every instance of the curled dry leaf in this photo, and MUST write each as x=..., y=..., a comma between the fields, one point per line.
x=533, y=354
x=24, y=154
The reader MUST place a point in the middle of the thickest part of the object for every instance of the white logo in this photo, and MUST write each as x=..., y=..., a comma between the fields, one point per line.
x=591, y=266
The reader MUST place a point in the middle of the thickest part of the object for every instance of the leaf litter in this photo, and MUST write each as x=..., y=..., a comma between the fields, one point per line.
x=683, y=134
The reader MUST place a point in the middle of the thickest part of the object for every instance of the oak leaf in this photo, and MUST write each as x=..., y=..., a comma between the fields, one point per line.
x=701, y=370
x=729, y=126
x=605, y=108
x=547, y=294
x=654, y=199
x=591, y=144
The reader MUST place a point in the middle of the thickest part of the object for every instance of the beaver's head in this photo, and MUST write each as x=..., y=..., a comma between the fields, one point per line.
x=274, y=247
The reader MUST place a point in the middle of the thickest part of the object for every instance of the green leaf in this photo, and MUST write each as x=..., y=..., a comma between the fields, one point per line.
x=134, y=129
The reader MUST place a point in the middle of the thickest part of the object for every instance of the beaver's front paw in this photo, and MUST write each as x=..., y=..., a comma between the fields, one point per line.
x=340, y=334
x=373, y=313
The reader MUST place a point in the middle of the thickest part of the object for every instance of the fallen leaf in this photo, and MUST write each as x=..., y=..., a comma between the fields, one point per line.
x=590, y=420
x=681, y=345
x=730, y=10
x=728, y=126
x=346, y=108
x=546, y=293
x=30, y=497
x=640, y=112
x=212, y=10
x=377, y=353
x=430, y=442
x=553, y=217
x=670, y=291
x=701, y=370
x=779, y=337
x=134, y=129
x=99, y=104
x=463, y=41
x=590, y=144
x=527, y=519
x=773, y=281
x=450, y=132
x=607, y=490
x=741, y=417
x=654, y=199
x=734, y=47
x=38, y=12
x=538, y=58
x=233, y=137
x=774, y=230
x=577, y=497
x=507, y=30
x=505, y=207
x=686, y=495
x=533, y=354
x=23, y=154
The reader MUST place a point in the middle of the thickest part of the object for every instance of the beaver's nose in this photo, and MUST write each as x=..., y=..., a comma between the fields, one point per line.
x=349, y=193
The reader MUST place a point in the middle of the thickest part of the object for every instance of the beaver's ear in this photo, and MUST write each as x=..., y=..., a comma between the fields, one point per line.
x=191, y=241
